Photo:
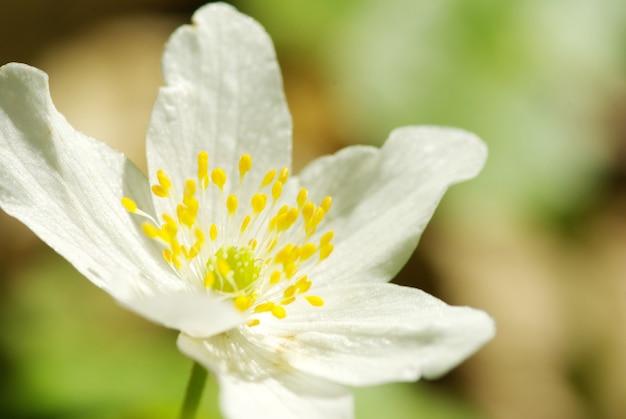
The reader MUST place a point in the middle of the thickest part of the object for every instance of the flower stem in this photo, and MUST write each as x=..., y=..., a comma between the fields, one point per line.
x=194, y=391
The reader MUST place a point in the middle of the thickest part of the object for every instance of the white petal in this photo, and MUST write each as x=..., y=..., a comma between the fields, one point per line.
x=378, y=333
x=67, y=187
x=383, y=199
x=280, y=393
x=223, y=94
x=196, y=315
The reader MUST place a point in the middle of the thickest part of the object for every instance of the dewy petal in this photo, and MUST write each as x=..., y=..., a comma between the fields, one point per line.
x=274, y=391
x=369, y=334
x=223, y=94
x=383, y=198
x=67, y=187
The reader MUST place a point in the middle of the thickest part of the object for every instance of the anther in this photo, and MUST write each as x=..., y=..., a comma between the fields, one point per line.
x=301, y=199
x=283, y=175
x=314, y=300
x=231, y=204
x=218, y=176
x=245, y=164
x=268, y=178
x=129, y=204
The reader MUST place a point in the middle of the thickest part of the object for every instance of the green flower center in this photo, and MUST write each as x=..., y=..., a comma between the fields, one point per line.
x=232, y=269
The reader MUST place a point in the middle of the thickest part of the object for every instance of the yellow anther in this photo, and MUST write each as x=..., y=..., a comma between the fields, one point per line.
x=284, y=221
x=290, y=269
x=190, y=188
x=129, y=204
x=223, y=267
x=175, y=246
x=307, y=250
x=242, y=302
x=275, y=277
x=279, y=312
x=185, y=216
x=185, y=251
x=218, y=176
x=231, y=204
x=213, y=232
x=326, y=250
x=326, y=203
x=203, y=169
x=170, y=226
x=283, y=175
x=245, y=164
x=287, y=301
x=326, y=238
x=163, y=179
x=209, y=279
x=290, y=291
x=301, y=199
x=263, y=307
x=258, y=202
x=253, y=322
x=303, y=284
x=164, y=235
x=307, y=210
x=193, y=252
x=314, y=300
x=150, y=230
x=199, y=236
x=159, y=191
x=277, y=190
x=253, y=244
x=167, y=255
x=245, y=223
x=268, y=178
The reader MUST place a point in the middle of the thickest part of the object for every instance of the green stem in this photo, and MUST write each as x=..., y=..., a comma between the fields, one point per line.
x=194, y=391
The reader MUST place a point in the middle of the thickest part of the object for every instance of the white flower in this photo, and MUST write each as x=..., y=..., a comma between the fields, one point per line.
x=284, y=298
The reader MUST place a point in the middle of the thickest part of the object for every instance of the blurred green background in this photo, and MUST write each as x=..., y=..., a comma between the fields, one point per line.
x=538, y=239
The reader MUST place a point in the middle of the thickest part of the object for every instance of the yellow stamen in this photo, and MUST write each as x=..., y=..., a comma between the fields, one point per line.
x=258, y=202
x=203, y=169
x=277, y=190
x=301, y=199
x=326, y=238
x=326, y=203
x=279, y=312
x=268, y=178
x=231, y=204
x=150, y=230
x=129, y=204
x=314, y=300
x=245, y=164
x=218, y=176
x=209, y=279
x=245, y=223
x=326, y=250
x=283, y=175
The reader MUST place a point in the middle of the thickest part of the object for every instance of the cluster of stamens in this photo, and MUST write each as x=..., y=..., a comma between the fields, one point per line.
x=257, y=254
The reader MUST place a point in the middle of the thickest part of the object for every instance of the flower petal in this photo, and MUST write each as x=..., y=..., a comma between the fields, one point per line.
x=378, y=333
x=282, y=393
x=223, y=94
x=195, y=314
x=383, y=198
x=67, y=187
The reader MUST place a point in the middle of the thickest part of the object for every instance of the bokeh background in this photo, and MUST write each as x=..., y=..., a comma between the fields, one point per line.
x=538, y=239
